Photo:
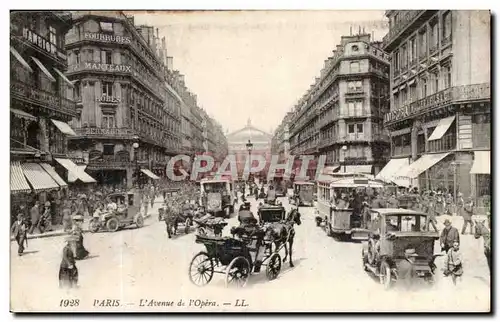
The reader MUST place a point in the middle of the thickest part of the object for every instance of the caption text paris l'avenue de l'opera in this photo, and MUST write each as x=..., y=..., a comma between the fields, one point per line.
x=206, y=164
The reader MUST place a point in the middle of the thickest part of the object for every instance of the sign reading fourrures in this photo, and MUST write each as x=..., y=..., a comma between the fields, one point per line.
x=224, y=181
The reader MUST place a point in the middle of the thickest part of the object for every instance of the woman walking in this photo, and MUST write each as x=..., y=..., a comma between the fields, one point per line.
x=68, y=273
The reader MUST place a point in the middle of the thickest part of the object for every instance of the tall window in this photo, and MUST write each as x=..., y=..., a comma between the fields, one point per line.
x=423, y=87
x=90, y=55
x=53, y=35
x=412, y=53
x=422, y=43
x=77, y=94
x=396, y=61
x=447, y=76
x=413, y=92
x=77, y=56
x=106, y=57
x=446, y=36
x=404, y=57
x=107, y=88
x=433, y=35
x=108, y=121
x=435, y=79
x=354, y=67
x=404, y=97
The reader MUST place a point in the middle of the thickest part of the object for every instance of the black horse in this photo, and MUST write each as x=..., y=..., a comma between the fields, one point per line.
x=283, y=233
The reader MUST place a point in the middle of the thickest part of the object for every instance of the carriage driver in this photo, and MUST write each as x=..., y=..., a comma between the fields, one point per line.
x=249, y=227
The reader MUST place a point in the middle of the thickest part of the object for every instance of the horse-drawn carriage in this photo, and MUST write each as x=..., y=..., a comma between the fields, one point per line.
x=238, y=258
x=174, y=214
x=393, y=232
x=128, y=212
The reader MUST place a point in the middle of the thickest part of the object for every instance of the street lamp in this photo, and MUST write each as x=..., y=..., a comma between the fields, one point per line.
x=344, y=149
x=135, y=145
x=249, y=149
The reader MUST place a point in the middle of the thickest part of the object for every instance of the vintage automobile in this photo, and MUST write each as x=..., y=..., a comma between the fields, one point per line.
x=392, y=231
x=302, y=193
x=343, y=224
x=218, y=196
x=129, y=212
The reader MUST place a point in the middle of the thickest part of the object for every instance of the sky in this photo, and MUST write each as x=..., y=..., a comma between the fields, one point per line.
x=254, y=64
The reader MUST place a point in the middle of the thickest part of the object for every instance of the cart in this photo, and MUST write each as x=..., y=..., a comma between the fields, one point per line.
x=231, y=257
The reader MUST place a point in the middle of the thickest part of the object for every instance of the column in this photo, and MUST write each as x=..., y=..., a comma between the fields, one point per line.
x=414, y=139
x=44, y=134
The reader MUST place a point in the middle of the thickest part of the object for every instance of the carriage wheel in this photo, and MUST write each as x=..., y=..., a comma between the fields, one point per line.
x=237, y=272
x=273, y=267
x=385, y=275
x=139, y=221
x=201, y=269
x=201, y=231
x=112, y=224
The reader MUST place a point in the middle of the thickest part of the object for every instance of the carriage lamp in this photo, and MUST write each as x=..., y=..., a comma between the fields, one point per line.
x=344, y=149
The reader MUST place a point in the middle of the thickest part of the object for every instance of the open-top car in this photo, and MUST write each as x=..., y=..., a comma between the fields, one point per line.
x=392, y=233
x=128, y=212
x=303, y=193
x=217, y=196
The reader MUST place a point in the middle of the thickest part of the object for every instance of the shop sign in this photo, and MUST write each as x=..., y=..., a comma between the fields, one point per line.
x=39, y=41
x=107, y=38
x=108, y=99
x=109, y=67
x=437, y=99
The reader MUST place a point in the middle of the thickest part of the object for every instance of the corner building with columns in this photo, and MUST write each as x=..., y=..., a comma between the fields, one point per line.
x=440, y=115
x=122, y=99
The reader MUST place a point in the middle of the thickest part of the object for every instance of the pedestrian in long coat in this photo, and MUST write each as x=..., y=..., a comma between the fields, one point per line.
x=68, y=273
x=431, y=210
x=18, y=230
x=35, y=217
x=448, y=236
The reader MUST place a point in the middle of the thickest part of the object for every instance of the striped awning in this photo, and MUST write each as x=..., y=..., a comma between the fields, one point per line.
x=21, y=59
x=18, y=182
x=43, y=69
x=74, y=171
x=38, y=178
x=52, y=172
x=22, y=114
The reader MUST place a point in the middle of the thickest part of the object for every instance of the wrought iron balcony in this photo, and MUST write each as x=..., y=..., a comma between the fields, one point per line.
x=27, y=93
x=406, y=18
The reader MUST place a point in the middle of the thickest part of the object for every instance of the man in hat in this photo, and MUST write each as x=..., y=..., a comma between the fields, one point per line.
x=467, y=213
x=18, y=230
x=393, y=202
x=377, y=201
x=406, y=268
x=448, y=236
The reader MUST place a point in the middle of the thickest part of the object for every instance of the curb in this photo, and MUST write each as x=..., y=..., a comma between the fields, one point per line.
x=57, y=233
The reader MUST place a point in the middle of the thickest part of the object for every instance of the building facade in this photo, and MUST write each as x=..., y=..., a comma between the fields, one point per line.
x=261, y=145
x=40, y=105
x=341, y=115
x=440, y=116
x=123, y=98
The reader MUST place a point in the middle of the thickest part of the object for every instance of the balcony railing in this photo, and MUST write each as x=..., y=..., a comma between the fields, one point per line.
x=405, y=19
x=453, y=94
x=27, y=92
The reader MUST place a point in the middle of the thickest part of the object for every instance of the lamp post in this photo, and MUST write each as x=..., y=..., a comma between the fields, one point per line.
x=135, y=145
x=344, y=149
x=249, y=149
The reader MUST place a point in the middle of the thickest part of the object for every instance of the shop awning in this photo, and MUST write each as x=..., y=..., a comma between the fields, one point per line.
x=64, y=127
x=61, y=74
x=18, y=182
x=150, y=174
x=75, y=172
x=52, y=172
x=22, y=114
x=356, y=169
x=391, y=169
x=21, y=59
x=425, y=162
x=390, y=173
x=44, y=70
x=441, y=128
x=481, y=163
x=38, y=177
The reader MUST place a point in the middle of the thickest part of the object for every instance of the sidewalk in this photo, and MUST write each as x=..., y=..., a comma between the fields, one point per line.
x=85, y=226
